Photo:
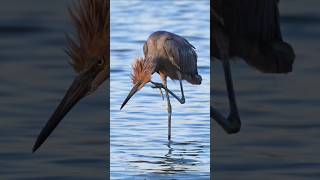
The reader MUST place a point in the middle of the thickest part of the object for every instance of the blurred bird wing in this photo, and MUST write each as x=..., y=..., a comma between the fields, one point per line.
x=254, y=31
x=181, y=54
x=253, y=19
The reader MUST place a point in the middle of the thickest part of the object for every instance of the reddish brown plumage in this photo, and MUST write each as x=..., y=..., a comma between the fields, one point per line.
x=91, y=21
x=141, y=70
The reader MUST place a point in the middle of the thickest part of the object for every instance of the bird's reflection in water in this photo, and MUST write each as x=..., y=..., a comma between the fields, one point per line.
x=180, y=157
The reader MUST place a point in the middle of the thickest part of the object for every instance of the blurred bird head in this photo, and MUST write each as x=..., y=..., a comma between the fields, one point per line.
x=89, y=53
x=142, y=70
x=89, y=49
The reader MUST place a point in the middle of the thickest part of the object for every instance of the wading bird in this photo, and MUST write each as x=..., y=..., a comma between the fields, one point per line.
x=249, y=29
x=171, y=56
x=89, y=53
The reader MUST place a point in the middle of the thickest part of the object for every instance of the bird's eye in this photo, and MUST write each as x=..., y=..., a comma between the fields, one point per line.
x=100, y=62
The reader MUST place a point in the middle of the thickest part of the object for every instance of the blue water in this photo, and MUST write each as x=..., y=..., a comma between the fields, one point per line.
x=139, y=145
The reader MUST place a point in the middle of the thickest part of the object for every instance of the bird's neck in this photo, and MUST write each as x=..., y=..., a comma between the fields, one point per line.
x=154, y=64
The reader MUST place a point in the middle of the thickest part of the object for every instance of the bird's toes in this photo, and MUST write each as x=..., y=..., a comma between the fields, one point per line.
x=157, y=85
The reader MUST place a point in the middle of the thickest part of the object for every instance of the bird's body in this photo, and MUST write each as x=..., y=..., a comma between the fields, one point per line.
x=89, y=53
x=169, y=55
x=249, y=29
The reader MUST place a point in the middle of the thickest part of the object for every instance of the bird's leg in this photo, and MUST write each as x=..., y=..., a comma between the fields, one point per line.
x=164, y=80
x=232, y=124
x=161, y=94
x=157, y=85
x=182, y=101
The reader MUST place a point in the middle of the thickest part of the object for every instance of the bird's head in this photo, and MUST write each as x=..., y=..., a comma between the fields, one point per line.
x=142, y=70
x=89, y=53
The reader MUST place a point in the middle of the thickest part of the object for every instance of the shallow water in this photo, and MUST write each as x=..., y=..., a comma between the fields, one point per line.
x=139, y=145
x=34, y=75
x=280, y=113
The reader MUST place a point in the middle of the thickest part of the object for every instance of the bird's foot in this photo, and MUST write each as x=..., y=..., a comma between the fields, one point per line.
x=161, y=94
x=159, y=86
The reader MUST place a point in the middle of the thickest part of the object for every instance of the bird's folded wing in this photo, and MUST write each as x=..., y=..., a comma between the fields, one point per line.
x=253, y=19
x=182, y=55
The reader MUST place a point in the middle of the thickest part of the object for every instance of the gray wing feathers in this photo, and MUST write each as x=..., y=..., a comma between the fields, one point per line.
x=182, y=55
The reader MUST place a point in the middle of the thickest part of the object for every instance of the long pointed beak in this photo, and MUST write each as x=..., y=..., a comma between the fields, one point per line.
x=78, y=89
x=132, y=92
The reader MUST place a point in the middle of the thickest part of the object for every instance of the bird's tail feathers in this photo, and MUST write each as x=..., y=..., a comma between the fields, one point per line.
x=274, y=57
x=194, y=79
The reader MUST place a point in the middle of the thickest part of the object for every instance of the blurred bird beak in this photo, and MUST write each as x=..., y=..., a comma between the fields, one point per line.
x=132, y=92
x=79, y=88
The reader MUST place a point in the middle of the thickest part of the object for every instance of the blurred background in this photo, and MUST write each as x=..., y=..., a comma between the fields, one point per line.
x=139, y=145
x=280, y=135
x=34, y=75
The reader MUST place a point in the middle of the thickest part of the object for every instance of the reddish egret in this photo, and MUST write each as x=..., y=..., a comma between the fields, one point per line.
x=249, y=29
x=171, y=56
x=89, y=53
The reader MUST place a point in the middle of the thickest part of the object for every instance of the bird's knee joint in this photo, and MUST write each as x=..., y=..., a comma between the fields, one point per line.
x=235, y=124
